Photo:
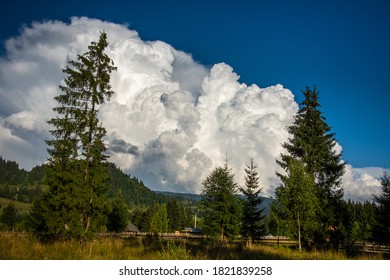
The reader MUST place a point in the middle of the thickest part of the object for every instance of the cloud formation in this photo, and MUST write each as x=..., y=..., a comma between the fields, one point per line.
x=171, y=119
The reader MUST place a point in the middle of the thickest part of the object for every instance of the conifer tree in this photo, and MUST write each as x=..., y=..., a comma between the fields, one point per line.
x=10, y=216
x=312, y=143
x=118, y=216
x=221, y=208
x=75, y=204
x=179, y=216
x=382, y=201
x=253, y=226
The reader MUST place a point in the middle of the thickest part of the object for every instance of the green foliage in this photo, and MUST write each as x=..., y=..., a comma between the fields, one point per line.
x=159, y=221
x=137, y=217
x=10, y=216
x=32, y=184
x=179, y=216
x=27, y=248
x=382, y=227
x=220, y=206
x=312, y=142
x=296, y=203
x=11, y=173
x=172, y=251
x=22, y=193
x=253, y=226
x=37, y=175
x=124, y=192
x=20, y=185
x=118, y=216
x=132, y=190
x=76, y=203
x=359, y=221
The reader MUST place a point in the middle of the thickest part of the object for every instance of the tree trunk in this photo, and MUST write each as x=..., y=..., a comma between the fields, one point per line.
x=299, y=234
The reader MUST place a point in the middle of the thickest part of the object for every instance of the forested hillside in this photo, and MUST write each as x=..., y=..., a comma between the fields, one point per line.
x=133, y=190
x=24, y=186
x=19, y=188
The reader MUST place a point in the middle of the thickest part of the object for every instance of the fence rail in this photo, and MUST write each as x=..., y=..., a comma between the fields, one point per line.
x=274, y=240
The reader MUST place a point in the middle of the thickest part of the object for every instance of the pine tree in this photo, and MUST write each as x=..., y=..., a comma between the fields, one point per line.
x=382, y=201
x=118, y=216
x=10, y=216
x=221, y=208
x=179, y=216
x=359, y=221
x=312, y=142
x=75, y=204
x=253, y=226
x=296, y=203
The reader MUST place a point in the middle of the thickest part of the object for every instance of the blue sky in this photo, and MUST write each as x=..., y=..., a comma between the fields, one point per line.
x=341, y=46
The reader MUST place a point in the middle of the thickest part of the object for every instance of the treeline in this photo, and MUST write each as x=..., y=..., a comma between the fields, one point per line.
x=131, y=189
x=170, y=217
x=22, y=193
x=142, y=203
x=358, y=224
x=11, y=174
x=148, y=210
x=21, y=185
x=25, y=186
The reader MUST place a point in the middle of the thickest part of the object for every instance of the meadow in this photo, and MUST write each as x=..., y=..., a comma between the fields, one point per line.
x=20, y=206
x=26, y=247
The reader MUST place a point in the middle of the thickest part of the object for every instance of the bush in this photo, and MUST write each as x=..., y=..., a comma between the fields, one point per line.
x=172, y=251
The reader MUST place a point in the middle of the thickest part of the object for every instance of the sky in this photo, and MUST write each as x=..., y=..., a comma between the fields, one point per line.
x=193, y=72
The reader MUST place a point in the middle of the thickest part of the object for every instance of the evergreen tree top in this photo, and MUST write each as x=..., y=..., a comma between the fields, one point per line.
x=384, y=198
x=313, y=142
x=311, y=97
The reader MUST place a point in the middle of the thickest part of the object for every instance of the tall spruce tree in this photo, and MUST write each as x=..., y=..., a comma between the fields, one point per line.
x=382, y=201
x=220, y=206
x=312, y=142
x=253, y=226
x=75, y=204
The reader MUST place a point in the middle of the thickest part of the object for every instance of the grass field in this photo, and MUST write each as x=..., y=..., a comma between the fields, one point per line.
x=25, y=247
x=20, y=206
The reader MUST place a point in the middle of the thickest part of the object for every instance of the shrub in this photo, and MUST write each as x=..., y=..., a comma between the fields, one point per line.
x=172, y=251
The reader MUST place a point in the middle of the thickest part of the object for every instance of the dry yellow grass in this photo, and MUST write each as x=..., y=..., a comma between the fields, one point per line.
x=27, y=248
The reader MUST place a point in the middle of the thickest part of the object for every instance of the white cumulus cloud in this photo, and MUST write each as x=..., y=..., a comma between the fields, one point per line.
x=361, y=184
x=171, y=119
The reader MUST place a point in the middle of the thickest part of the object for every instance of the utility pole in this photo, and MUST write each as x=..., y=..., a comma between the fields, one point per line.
x=195, y=221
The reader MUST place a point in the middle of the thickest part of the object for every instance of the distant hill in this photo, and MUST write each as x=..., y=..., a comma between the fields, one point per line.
x=267, y=205
x=24, y=186
x=196, y=197
x=133, y=190
x=20, y=185
x=188, y=196
x=10, y=173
